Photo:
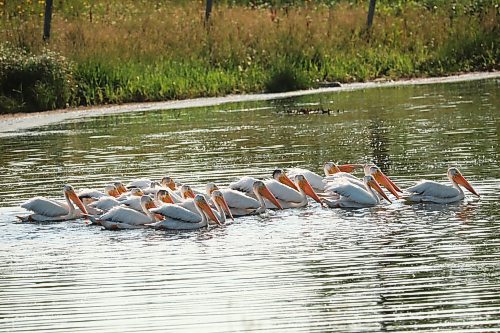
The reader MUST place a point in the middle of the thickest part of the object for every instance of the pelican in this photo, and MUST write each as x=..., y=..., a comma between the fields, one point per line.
x=429, y=191
x=241, y=204
x=287, y=196
x=127, y=218
x=354, y=196
x=141, y=183
x=370, y=170
x=53, y=210
x=313, y=178
x=89, y=195
x=179, y=218
x=105, y=203
x=120, y=187
x=135, y=192
x=168, y=182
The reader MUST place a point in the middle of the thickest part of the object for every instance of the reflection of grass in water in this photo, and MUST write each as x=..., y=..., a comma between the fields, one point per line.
x=132, y=51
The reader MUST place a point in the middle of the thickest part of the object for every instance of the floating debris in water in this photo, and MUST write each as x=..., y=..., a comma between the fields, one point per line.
x=302, y=111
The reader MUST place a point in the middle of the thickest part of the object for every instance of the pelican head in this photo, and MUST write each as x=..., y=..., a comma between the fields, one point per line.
x=281, y=177
x=455, y=176
x=219, y=201
x=164, y=196
x=260, y=190
x=371, y=182
x=211, y=187
x=204, y=208
x=187, y=192
x=304, y=185
x=381, y=178
x=120, y=187
x=154, y=184
x=147, y=202
x=111, y=190
x=168, y=182
x=69, y=192
x=137, y=192
x=330, y=168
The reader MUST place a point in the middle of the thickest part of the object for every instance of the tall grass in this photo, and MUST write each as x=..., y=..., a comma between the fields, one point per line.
x=127, y=50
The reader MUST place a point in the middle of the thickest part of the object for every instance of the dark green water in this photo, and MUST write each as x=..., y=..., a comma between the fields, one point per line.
x=390, y=268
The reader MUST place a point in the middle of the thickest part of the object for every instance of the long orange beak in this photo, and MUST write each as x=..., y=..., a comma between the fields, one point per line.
x=72, y=195
x=189, y=194
x=462, y=181
x=222, y=202
x=377, y=188
x=392, y=183
x=115, y=193
x=150, y=205
x=171, y=185
x=264, y=191
x=206, y=208
x=284, y=179
x=167, y=199
x=306, y=187
x=349, y=167
x=383, y=180
x=121, y=189
x=333, y=170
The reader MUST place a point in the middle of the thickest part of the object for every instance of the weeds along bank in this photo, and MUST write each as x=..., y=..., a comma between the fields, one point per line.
x=123, y=51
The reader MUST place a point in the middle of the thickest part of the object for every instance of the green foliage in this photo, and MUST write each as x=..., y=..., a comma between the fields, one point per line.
x=33, y=82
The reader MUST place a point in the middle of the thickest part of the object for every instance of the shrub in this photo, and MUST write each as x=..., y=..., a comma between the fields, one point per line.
x=31, y=83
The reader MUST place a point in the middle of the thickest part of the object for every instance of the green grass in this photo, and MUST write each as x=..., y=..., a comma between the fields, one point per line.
x=131, y=51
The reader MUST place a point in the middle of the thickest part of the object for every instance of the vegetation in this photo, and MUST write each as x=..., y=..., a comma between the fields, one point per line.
x=129, y=50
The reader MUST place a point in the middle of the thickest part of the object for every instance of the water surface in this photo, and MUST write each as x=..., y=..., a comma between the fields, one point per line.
x=394, y=267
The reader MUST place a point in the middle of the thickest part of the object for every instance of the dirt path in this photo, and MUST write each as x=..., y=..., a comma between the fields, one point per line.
x=12, y=124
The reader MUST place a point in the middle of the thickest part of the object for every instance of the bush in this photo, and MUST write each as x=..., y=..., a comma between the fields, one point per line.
x=31, y=83
x=287, y=77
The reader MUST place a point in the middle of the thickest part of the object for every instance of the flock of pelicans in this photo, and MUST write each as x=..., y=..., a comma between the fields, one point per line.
x=167, y=205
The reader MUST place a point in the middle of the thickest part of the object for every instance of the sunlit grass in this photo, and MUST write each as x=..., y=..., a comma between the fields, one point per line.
x=142, y=51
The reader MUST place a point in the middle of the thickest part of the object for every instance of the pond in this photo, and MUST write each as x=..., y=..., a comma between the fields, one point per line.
x=394, y=267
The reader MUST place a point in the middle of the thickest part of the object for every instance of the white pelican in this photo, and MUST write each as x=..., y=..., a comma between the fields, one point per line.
x=370, y=170
x=354, y=196
x=127, y=218
x=120, y=187
x=53, y=210
x=105, y=203
x=135, y=192
x=139, y=183
x=241, y=204
x=88, y=195
x=168, y=182
x=429, y=191
x=313, y=178
x=179, y=218
x=287, y=196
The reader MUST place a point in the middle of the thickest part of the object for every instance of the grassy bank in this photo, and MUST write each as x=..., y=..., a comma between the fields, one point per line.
x=123, y=51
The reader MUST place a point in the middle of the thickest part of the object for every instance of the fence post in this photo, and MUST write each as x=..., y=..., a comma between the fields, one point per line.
x=208, y=10
x=48, y=18
x=371, y=12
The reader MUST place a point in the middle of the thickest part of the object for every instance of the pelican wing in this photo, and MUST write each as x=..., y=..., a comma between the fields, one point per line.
x=283, y=192
x=353, y=193
x=105, y=203
x=433, y=189
x=174, y=224
x=340, y=176
x=313, y=178
x=236, y=199
x=244, y=184
x=133, y=202
x=176, y=212
x=126, y=215
x=46, y=207
x=90, y=193
x=139, y=183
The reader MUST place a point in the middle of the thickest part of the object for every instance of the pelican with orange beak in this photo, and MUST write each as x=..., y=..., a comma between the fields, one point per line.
x=429, y=191
x=241, y=204
x=45, y=210
x=126, y=218
x=290, y=198
x=180, y=218
x=315, y=180
x=354, y=196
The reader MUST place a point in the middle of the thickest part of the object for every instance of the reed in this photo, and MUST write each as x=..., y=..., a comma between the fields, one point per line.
x=124, y=51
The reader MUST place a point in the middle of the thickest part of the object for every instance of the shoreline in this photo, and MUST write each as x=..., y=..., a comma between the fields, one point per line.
x=11, y=124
